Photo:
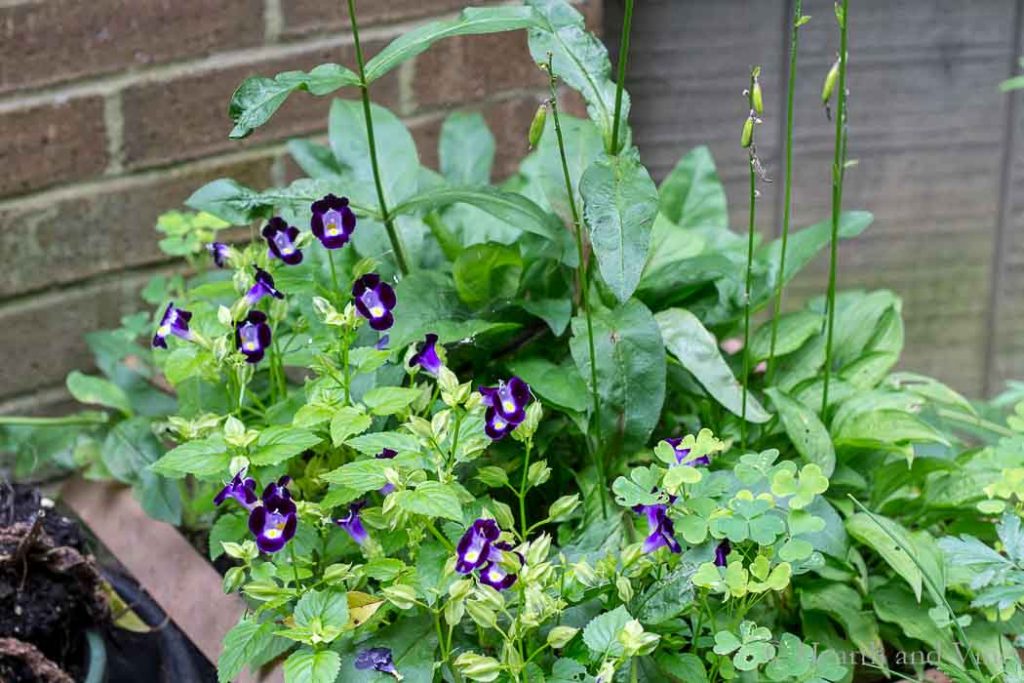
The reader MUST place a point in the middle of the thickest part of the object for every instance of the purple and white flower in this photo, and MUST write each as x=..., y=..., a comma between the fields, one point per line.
x=493, y=573
x=374, y=300
x=682, y=454
x=264, y=286
x=281, y=239
x=274, y=521
x=220, y=253
x=474, y=548
x=240, y=488
x=174, y=321
x=661, y=529
x=252, y=336
x=387, y=454
x=352, y=524
x=426, y=355
x=333, y=221
x=506, y=406
x=378, y=659
x=722, y=553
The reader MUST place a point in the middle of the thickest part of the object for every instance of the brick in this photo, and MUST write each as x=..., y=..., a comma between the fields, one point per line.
x=186, y=118
x=102, y=231
x=45, y=335
x=305, y=17
x=45, y=43
x=471, y=68
x=51, y=143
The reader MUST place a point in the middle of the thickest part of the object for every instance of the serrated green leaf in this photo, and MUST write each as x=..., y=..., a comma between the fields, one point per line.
x=307, y=666
x=431, y=499
x=347, y=422
x=390, y=400
x=278, y=443
x=601, y=633
x=205, y=458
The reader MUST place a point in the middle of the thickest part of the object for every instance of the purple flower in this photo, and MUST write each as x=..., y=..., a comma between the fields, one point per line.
x=506, y=406
x=496, y=426
x=241, y=489
x=252, y=336
x=426, y=355
x=475, y=546
x=219, y=251
x=333, y=221
x=722, y=553
x=386, y=454
x=174, y=321
x=264, y=286
x=661, y=529
x=378, y=659
x=493, y=574
x=352, y=524
x=683, y=453
x=274, y=521
x=382, y=343
x=374, y=300
x=281, y=239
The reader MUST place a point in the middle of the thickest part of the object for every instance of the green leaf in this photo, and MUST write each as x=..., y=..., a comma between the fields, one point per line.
x=558, y=385
x=204, y=458
x=348, y=421
x=793, y=330
x=396, y=152
x=620, y=203
x=330, y=607
x=471, y=21
x=667, y=598
x=487, y=272
x=601, y=634
x=871, y=533
x=258, y=97
x=630, y=364
x=390, y=400
x=579, y=60
x=895, y=604
x=844, y=604
x=809, y=436
x=98, y=391
x=681, y=667
x=413, y=643
x=691, y=194
x=242, y=644
x=555, y=312
x=372, y=444
x=360, y=476
x=278, y=443
x=128, y=451
x=466, y=149
x=431, y=499
x=232, y=528
x=307, y=666
x=697, y=350
x=229, y=200
x=316, y=160
x=886, y=429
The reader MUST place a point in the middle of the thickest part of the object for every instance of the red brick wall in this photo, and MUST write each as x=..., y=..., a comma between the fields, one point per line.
x=113, y=111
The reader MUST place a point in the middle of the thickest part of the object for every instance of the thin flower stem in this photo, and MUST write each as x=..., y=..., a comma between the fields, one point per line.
x=65, y=420
x=581, y=275
x=746, y=300
x=385, y=214
x=334, y=275
x=787, y=191
x=627, y=23
x=522, y=490
x=440, y=537
x=838, y=173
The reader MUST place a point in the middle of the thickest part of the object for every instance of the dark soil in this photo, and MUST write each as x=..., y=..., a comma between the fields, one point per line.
x=50, y=591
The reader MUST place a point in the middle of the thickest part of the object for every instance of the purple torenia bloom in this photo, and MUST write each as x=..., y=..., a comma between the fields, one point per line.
x=240, y=488
x=506, y=406
x=333, y=221
x=722, y=553
x=475, y=546
x=378, y=659
x=219, y=251
x=683, y=453
x=387, y=454
x=252, y=336
x=495, y=575
x=374, y=300
x=281, y=239
x=264, y=286
x=426, y=355
x=352, y=524
x=174, y=321
x=661, y=528
x=274, y=521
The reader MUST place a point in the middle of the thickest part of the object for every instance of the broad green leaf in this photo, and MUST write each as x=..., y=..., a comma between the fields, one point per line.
x=697, y=350
x=671, y=246
x=559, y=385
x=232, y=528
x=347, y=422
x=930, y=389
x=895, y=604
x=413, y=643
x=487, y=272
x=230, y=200
x=431, y=499
x=601, y=634
x=620, y=203
x=681, y=667
x=809, y=436
x=330, y=607
x=580, y=60
x=316, y=160
x=390, y=400
x=542, y=168
x=471, y=21
x=555, y=312
x=887, y=429
x=396, y=152
x=360, y=476
x=466, y=149
x=666, y=598
x=307, y=666
x=372, y=444
x=793, y=330
x=278, y=443
x=128, y=452
x=871, y=533
x=241, y=646
x=258, y=97
x=844, y=604
x=98, y=391
x=630, y=364
x=691, y=194
x=204, y=458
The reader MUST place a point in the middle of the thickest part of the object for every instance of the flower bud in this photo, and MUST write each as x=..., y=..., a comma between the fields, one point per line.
x=477, y=667
x=492, y=597
x=747, y=136
x=624, y=588
x=635, y=641
x=559, y=636
x=538, y=473
x=460, y=589
x=539, y=550
x=224, y=316
x=830, y=83
x=563, y=507
x=492, y=476
x=503, y=515
x=584, y=573
x=481, y=613
x=233, y=579
x=400, y=595
x=537, y=125
x=454, y=610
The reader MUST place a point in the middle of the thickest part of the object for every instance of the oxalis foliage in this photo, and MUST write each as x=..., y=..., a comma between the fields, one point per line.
x=428, y=457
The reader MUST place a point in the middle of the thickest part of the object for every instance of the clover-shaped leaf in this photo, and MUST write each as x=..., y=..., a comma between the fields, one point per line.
x=709, y=576
x=752, y=647
x=777, y=580
x=736, y=579
x=802, y=522
x=796, y=662
x=751, y=519
x=726, y=642
x=640, y=488
x=694, y=525
x=803, y=487
x=795, y=550
x=753, y=467
x=679, y=475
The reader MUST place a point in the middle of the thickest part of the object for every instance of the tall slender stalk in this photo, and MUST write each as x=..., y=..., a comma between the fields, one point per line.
x=627, y=23
x=787, y=190
x=584, y=283
x=747, y=140
x=838, y=172
x=389, y=221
